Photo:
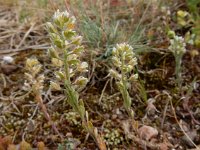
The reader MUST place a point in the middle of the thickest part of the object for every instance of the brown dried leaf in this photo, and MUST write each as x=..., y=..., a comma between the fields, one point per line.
x=8, y=69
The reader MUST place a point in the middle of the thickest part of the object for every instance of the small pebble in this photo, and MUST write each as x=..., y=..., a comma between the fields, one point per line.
x=8, y=59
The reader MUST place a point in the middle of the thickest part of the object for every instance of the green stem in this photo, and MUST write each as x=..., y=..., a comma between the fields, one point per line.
x=178, y=70
x=66, y=67
x=71, y=93
x=125, y=94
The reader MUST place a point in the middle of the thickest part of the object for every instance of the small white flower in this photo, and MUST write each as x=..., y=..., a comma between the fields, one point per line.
x=57, y=62
x=55, y=86
x=130, y=68
x=71, y=70
x=124, y=47
x=73, y=19
x=133, y=77
x=81, y=81
x=59, y=14
x=26, y=86
x=116, y=61
x=133, y=61
x=115, y=74
x=59, y=75
x=83, y=67
x=177, y=45
x=77, y=40
x=72, y=57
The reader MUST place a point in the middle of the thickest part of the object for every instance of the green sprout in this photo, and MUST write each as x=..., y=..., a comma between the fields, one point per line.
x=65, y=52
x=124, y=62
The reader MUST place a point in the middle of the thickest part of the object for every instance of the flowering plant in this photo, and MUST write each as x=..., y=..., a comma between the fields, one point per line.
x=177, y=47
x=34, y=83
x=65, y=52
x=124, y=62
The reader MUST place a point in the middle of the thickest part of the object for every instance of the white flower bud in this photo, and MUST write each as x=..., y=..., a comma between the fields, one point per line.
x=77, y=40
x=50, y=27
x=69, y=34
x=60, y=17
x=71, y=72
x=116, y=61
x=114, y=52
x=78, y=50
x=72, y=57
x=133, y=77
x=115, y=74
x=81, y=81
x=53, y=53
x=133, y=61
x=59, y=75
x=57, y=62
x=177, y=45
x=26, y=86
x=129, y=68
x=55, y=86
x=82, y=67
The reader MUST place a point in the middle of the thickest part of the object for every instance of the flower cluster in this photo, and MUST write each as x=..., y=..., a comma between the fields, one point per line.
x=124, y=62
x=66, y=50
x=34, y=80
x=177, y=45
x=123, y=59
